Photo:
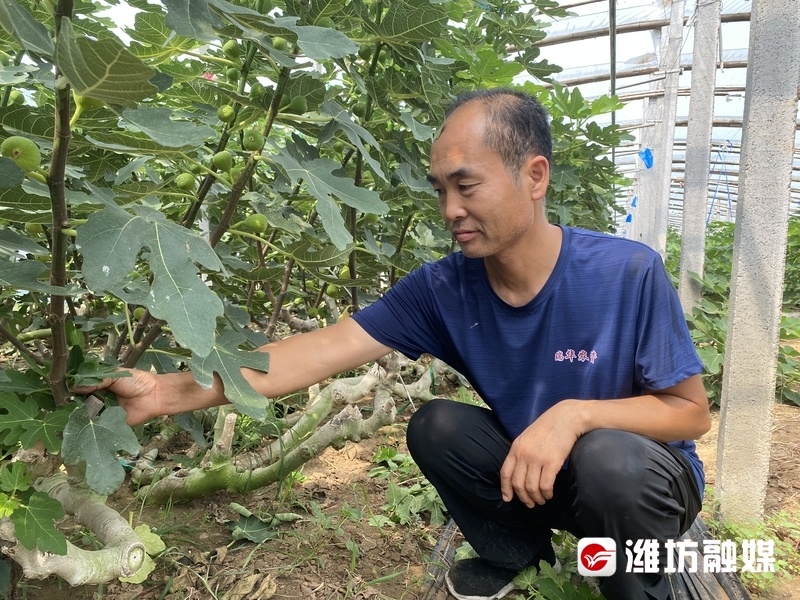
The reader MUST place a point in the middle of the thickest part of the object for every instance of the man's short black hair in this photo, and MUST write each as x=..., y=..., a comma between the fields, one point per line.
x=517, y=125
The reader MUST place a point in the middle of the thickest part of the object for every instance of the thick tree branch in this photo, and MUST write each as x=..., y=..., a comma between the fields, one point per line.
x=56, y=379
x=123, y=553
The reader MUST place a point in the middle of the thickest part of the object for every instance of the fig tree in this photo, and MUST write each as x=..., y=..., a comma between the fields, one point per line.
x=232, y=74
x=22, y=151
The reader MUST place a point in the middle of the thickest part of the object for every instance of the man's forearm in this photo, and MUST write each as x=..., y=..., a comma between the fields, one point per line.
x=295, y=363
x=676, y=414
x=179, y=392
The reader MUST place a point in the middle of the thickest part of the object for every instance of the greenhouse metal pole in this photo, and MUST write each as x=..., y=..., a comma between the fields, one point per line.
x=759, y=248
x=698, y=150
x=649, y=222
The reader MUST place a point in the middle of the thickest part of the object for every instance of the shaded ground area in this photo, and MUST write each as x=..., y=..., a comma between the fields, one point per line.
x=346, y=545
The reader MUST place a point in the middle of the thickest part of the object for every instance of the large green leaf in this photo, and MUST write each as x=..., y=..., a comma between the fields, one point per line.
x=24, y=275
x=332, y=220
x=564, y=177
x=13, y=381
x=310, y=255
x=128, y=142
x=102, y=69
x=354, y=132
x=23, y=423
x=10, y=174
x=47, y=429
x=319, y=43
x=22, y=120
x=15, y=477
x=112, y=238
x=96, y=443
x=411, y=21
x=157, y=124
x=226, y=360
x=308, y=86
x=21, y=203
x=191, y=18
x=14, y=74
x=421, y=133
x=253, y=529
x=323, y=183
x=32, y=35
x=491, y=69
x=34, y=524
x=154, y=41
x=15, y=416
x=30, y=202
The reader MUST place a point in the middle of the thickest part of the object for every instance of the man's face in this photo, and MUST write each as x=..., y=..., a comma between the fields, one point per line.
x=485, y=208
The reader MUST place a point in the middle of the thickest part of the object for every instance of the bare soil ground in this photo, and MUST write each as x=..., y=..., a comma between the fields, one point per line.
x=334, y=552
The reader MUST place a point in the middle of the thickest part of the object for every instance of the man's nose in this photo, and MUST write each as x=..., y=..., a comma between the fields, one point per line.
x=452, y=208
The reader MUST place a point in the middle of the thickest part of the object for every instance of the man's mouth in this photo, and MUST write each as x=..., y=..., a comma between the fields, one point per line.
x=464, y=235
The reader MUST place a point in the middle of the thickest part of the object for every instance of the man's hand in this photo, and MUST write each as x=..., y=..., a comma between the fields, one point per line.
x=679, y=412
x=538, y=454
x=137, y=394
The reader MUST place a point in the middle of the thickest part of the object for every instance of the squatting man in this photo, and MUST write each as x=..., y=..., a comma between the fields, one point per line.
x=576, y=341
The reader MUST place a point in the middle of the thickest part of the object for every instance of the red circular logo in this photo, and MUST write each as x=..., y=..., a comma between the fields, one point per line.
x=594, y=557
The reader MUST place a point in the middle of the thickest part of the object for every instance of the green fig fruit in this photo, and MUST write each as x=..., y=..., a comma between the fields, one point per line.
x=24, y=152
x=253, y=140
x=223, y=160
x=226, y=113
x=257, y=223
x=185, y=181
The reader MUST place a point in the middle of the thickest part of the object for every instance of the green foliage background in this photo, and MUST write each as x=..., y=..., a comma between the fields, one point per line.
x=708, y=321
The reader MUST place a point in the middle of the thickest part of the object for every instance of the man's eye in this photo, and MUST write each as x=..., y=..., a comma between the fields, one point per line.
x=464, y=187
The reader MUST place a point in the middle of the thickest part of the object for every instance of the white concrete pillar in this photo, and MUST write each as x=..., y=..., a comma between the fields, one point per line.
x=748, y=387
x=698, y=150
x=649, y=222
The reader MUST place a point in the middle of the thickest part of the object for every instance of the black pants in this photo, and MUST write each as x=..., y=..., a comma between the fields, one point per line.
x=618, y=484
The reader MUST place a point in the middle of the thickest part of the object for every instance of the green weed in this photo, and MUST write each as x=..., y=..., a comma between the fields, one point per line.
x=409, y=495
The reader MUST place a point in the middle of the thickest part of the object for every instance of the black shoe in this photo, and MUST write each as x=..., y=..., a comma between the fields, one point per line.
x=476, y=579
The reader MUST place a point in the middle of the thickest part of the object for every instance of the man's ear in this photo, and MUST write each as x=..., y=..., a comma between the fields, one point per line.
x=537, y=170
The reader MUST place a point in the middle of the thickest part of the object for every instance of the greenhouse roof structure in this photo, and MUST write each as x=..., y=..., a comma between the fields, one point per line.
x=635, y=33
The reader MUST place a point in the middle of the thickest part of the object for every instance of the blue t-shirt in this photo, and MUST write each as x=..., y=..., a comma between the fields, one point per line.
x=607, y=324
